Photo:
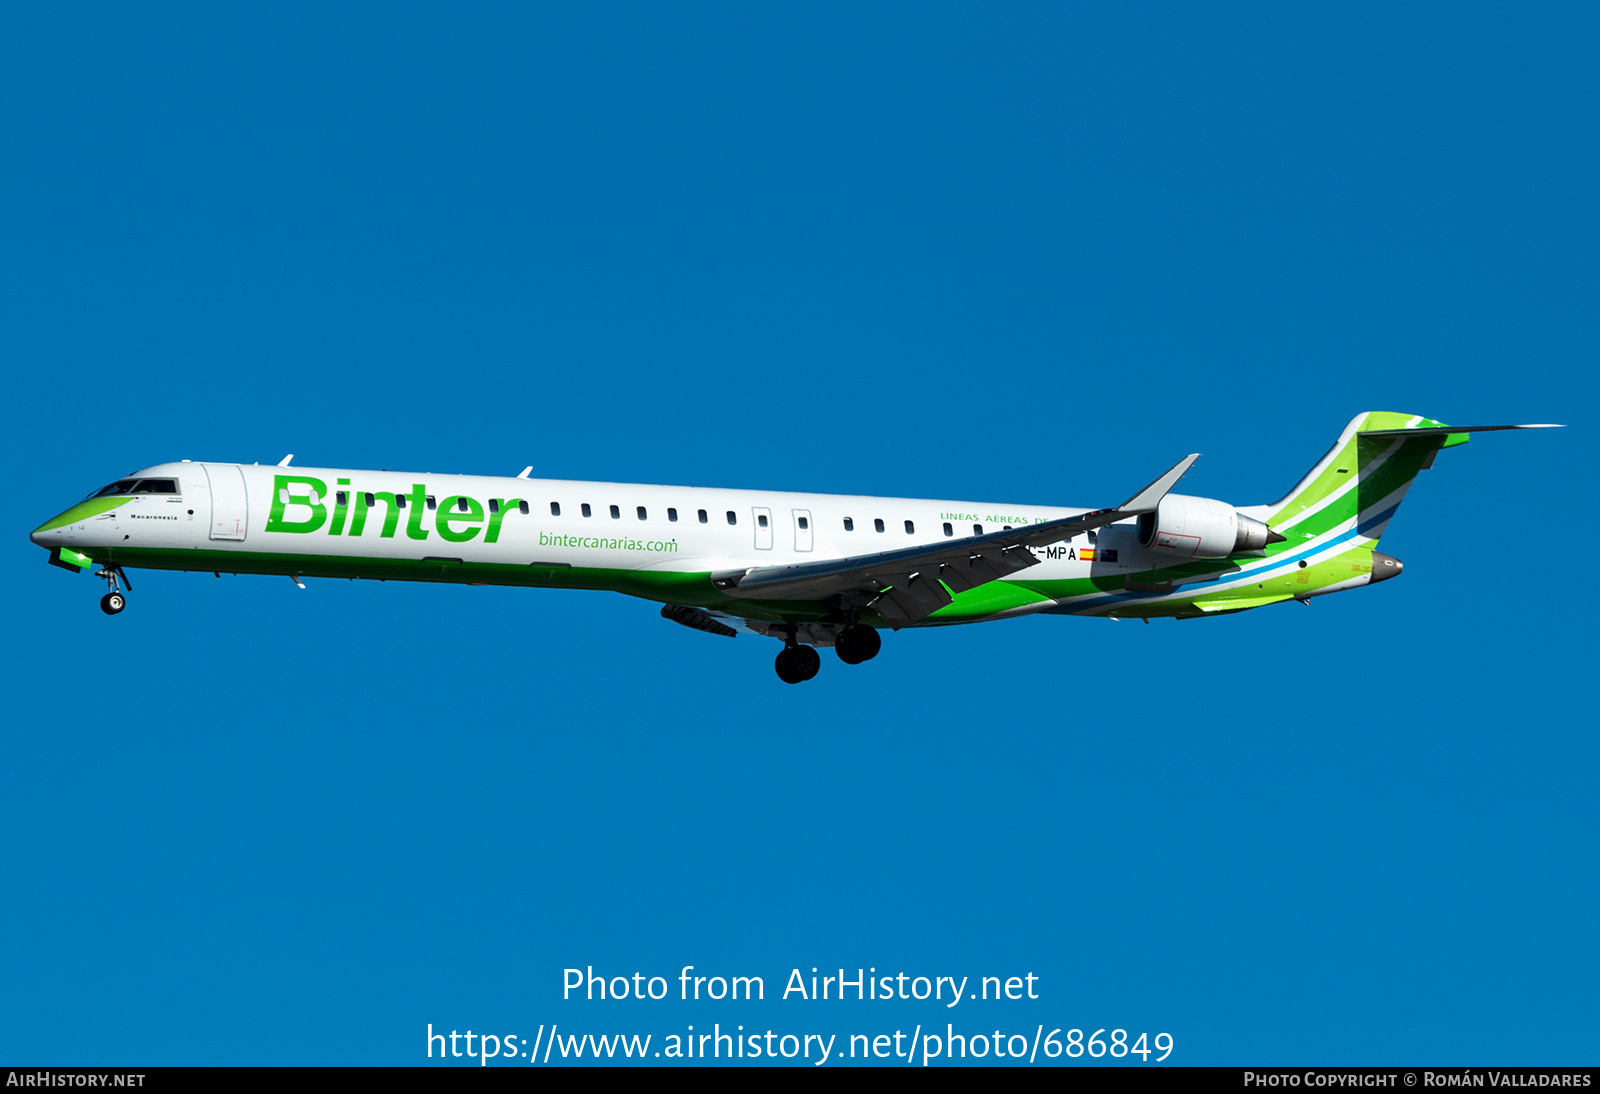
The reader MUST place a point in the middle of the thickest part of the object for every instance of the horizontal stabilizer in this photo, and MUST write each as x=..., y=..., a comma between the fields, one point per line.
x=1442, y=430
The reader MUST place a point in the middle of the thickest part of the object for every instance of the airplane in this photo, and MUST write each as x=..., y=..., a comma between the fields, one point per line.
x=811, y=570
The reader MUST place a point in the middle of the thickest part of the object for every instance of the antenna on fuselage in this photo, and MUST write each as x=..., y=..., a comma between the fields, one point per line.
x=526, y=471
x=285, y=461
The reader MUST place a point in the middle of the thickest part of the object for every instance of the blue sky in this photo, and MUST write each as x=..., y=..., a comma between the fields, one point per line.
x=1029, y=254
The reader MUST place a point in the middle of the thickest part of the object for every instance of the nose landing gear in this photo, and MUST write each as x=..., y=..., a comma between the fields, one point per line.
x=113, y=602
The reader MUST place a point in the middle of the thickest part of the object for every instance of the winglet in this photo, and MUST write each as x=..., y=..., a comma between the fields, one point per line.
x=1146, y=500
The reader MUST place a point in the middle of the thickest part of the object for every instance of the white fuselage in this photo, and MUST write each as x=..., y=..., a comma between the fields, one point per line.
x=229, y=507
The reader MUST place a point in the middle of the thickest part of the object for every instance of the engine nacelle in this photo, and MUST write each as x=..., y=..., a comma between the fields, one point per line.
x=1201, y=528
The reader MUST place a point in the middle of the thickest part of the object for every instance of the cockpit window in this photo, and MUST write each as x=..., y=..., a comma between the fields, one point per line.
x=122, y=486
x=137, y=486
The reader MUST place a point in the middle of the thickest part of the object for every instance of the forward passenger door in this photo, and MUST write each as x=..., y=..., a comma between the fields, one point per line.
x=230, y=511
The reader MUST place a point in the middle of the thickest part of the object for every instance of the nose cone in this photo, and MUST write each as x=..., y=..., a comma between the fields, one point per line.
x=53, y=531
x=1384, y=567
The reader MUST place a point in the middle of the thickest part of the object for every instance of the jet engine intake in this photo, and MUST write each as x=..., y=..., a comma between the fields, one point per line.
x=1190, y=527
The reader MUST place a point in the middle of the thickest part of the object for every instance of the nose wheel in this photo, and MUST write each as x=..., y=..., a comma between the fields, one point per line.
x=113, y=602
x=797, y=664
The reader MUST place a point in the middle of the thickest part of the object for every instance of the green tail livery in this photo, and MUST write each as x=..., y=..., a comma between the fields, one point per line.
x=811, y=570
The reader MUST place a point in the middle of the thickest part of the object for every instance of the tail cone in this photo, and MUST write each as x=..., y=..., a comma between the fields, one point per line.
x=1384, y=567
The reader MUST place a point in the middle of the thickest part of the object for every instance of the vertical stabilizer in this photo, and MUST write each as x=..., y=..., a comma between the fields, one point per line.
x=1363, y=478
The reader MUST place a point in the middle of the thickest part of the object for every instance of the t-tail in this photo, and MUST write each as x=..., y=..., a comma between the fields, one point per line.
x=1353, y=492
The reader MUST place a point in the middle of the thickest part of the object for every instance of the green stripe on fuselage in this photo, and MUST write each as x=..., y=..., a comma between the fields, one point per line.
x=84, y=510
x=693, y=588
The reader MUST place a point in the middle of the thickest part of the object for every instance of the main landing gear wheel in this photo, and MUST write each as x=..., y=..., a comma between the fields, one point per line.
x=797, y=664
x=112, y=603
x=856, y=644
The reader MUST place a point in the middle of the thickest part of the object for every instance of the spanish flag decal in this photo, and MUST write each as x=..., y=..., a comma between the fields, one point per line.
x=1086, y=554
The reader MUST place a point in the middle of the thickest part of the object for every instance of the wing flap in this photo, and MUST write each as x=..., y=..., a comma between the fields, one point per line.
x=697, y=619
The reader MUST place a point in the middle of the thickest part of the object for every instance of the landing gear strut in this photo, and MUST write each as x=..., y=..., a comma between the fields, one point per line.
x=797, y=664
x=856, y=644
x=113, y=602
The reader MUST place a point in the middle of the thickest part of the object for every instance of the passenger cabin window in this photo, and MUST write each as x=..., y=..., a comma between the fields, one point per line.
x=849, y=524
x=341, y=498
x=616, y=514
x=585, y=508
x=370, y=498
x=911, y=529
x=672, y=515
x=977, y=529
x=432, y=502
x=702, y=516
x=399, y=501
x=461, y=504
x=641, y=512
x=877, y=524
x=494, y=504
x=555, y=509
x=733, y=518
x=949, y=531
x=761, y=519
x=522, y=507
x=804, y=524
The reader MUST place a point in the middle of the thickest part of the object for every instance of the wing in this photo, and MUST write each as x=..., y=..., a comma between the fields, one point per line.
x=908, y=584
x=820, y=635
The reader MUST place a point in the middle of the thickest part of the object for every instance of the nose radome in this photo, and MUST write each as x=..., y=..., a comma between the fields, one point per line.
x=1384, y=567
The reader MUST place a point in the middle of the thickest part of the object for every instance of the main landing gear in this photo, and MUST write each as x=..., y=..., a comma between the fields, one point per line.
x=797, y=664
x=113, y=602
x=856, y=644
